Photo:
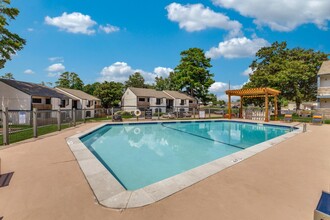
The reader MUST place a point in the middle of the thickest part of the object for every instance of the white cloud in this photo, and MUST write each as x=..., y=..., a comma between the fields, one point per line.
x=30, y=29
x=163, y=71
x=53, y=74
x=219, y=89
x=74, y=23
x=56, y=59
x=56, y=67
x=120, y=71
x=196, y=17
x=109, y=28
x=28, y=71
x=282, y=15
x=237, y=47
x=247, y=72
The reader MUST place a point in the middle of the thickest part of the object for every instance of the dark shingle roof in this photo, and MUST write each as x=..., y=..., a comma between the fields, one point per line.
x=33, y=89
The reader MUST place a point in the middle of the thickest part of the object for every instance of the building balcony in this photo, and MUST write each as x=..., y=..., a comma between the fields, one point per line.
x=323, y=91
x=143, y=104
x=42, y=106
x=193, y=105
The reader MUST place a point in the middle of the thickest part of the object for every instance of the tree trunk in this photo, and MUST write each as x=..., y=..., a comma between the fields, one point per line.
x=298, y=102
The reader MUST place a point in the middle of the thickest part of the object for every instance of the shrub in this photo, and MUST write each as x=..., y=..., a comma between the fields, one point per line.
x=327, y=121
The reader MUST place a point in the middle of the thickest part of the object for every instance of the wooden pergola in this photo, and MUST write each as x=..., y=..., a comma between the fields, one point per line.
x=253, y=93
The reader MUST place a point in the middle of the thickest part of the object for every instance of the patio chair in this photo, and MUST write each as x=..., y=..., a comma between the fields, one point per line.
x=288, y=118
x=317, y=119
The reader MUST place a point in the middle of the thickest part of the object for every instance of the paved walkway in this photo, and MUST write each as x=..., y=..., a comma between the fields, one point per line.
x=283, y=182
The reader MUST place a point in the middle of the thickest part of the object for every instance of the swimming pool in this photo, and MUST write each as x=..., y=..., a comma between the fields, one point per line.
x=141, y=154
x=134, y=164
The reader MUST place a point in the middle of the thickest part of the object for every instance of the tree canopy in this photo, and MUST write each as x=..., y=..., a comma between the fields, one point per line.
x=165, y=83
x=90, y=88
x=70, y=80
x=8, y=76
x=192, y=75
x=10, y=42
x=135, y=80
x=110, y=93
x=292, y=71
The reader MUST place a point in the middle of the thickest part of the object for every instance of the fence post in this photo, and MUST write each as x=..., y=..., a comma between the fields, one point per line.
x=209, y=112
x=194, y=111
x=5, y=127
x=59, y=119
x=158, y=113
x=74, y=117
x=35, y=125
x=83, y=114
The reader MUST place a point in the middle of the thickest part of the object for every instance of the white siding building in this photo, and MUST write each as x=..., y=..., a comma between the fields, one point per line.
x=181, y=100
x=323, y=85
x=323, y=89
x=139, y=98
x=80, y=100
x=17, y=95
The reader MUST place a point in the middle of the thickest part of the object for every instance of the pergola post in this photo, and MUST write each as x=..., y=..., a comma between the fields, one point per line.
x=241, y=108
x=229, y=107
x=266, y=106
x=275, y=100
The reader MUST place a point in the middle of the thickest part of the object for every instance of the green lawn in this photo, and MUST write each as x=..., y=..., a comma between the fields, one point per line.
x=27, y=133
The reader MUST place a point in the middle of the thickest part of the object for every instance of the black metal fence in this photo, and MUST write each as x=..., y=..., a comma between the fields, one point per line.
x=21, y=124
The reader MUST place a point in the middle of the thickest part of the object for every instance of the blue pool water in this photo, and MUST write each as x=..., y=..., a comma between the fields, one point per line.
x=141, y=154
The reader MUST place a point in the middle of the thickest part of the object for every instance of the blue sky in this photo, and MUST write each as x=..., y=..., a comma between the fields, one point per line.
x=109, y=40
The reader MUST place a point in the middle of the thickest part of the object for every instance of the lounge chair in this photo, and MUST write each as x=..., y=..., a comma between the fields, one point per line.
x=317, y=119
x=322, y=210
x=117, y=118
x=288, y=118
x=168, y=115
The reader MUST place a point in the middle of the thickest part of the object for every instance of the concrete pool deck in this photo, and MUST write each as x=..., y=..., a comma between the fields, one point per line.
x=282, y=182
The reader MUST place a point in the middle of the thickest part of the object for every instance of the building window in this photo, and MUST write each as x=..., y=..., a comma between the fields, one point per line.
x=158, y=110
x=48, y=101
x=88, y=103
x=62, y=105
x=34, y=100
x=182, y=102
x=190, y=101
x=142, y=99
x=88, y=114
x=158, y=101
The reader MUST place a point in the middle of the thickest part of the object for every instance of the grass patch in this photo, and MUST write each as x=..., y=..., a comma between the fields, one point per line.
x=28, y=133
x=295, y=118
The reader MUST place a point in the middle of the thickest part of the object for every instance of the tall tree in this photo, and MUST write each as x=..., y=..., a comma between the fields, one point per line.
x=165, y=83
x=90, y=88
x=192, y=75
x=70, y=80
x=110, y=93
x=292, y=71
x=8, y=76
x=135, y=80
x=10, y=42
